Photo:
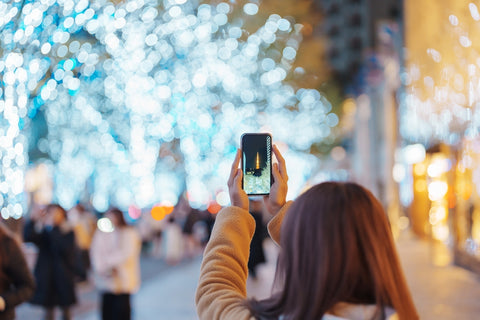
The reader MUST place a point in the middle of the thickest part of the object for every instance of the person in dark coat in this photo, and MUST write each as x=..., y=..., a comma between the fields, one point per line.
x=56, y=261
x=191, y=244
x=257, y=254
x=16, y=280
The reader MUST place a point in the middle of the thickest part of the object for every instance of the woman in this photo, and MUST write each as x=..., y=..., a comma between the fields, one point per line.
x=16, y=281
x=84, y=225
x=337, y=258
x=56, y=262
x=115, y=259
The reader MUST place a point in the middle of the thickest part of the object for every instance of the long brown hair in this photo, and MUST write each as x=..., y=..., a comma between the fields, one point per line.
x=5, y=232
x=336, y=246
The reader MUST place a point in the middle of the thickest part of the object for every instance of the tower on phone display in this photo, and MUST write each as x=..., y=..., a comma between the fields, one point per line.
x=258, y=170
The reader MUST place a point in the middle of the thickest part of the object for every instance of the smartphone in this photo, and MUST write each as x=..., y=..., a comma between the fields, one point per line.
x=257, y=163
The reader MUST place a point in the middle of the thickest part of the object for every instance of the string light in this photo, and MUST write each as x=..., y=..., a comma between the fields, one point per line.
x=142, y=99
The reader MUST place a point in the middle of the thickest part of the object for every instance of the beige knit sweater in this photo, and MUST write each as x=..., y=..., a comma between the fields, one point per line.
x=221, y=292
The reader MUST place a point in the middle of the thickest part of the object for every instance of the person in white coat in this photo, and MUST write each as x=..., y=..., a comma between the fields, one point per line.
x=115, y=256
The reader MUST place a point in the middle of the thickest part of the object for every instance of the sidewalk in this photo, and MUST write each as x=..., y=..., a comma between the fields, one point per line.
x=440, y=290
x=167, y=292
x=171, y=295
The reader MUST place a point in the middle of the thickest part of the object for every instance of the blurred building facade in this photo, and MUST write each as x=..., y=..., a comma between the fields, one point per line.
x=351, y=27
x=364, y=44
x=411, y=86
x=440, y=109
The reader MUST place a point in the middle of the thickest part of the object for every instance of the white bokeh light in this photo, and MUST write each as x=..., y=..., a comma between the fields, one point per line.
x=142, y=100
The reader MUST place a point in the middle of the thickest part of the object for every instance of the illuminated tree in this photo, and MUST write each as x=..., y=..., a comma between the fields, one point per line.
x=144, y=98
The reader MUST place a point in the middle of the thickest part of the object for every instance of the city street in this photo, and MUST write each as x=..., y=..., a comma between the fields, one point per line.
x=441, y=291
x=130, y=113
x=167, y=292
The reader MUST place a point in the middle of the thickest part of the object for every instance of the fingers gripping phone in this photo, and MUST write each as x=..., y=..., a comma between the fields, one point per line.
x=257, y=163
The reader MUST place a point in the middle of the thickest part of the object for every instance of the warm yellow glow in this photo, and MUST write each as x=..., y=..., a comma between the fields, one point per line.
x=257, y=161
x=440, y=232
x=420, y=185
x=403, y=223
x=437, y=214
x=442, y=65
x=476, y=225
x=434, y=43
x=437, y=167
x=437, y=190
x=419, y=169
x=414, y=153
x=349, y=106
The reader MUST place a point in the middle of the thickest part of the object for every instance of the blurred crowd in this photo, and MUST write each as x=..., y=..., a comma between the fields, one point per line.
x=68, y=248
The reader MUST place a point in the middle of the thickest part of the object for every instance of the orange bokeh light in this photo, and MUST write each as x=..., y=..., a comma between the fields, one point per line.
x=168, y=209
x=159, y=212
x=214, y=207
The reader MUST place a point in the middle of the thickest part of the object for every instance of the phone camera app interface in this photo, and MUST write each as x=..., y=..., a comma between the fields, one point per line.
x=257, y=164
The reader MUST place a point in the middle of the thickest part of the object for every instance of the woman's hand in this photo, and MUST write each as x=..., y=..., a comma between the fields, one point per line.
x=278, y=191
x=238, y=197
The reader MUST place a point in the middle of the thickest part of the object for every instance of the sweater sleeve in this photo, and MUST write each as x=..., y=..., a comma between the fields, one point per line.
x=222, y=289
x=17, y=270
x=275, y=225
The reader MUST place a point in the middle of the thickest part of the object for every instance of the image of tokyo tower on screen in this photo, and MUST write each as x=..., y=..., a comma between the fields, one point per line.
x=256, y=161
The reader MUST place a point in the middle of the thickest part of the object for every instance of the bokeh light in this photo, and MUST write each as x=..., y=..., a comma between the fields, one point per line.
x=141, y=100
x=105, y=225
x=441, y=100
x=159, y=212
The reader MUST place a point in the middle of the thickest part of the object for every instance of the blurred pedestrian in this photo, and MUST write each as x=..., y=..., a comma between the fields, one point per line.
x=55, y=267
x=84, y=226
x=16, y=280
x=157, y=227
x=208, y=220
x=257, y=254
x=115, y=256
x=337, y=258
x=191, y=243
x=202, y=229
x=173, y=241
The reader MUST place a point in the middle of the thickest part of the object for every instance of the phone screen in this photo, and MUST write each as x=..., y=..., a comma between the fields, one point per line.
x=257, y=163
